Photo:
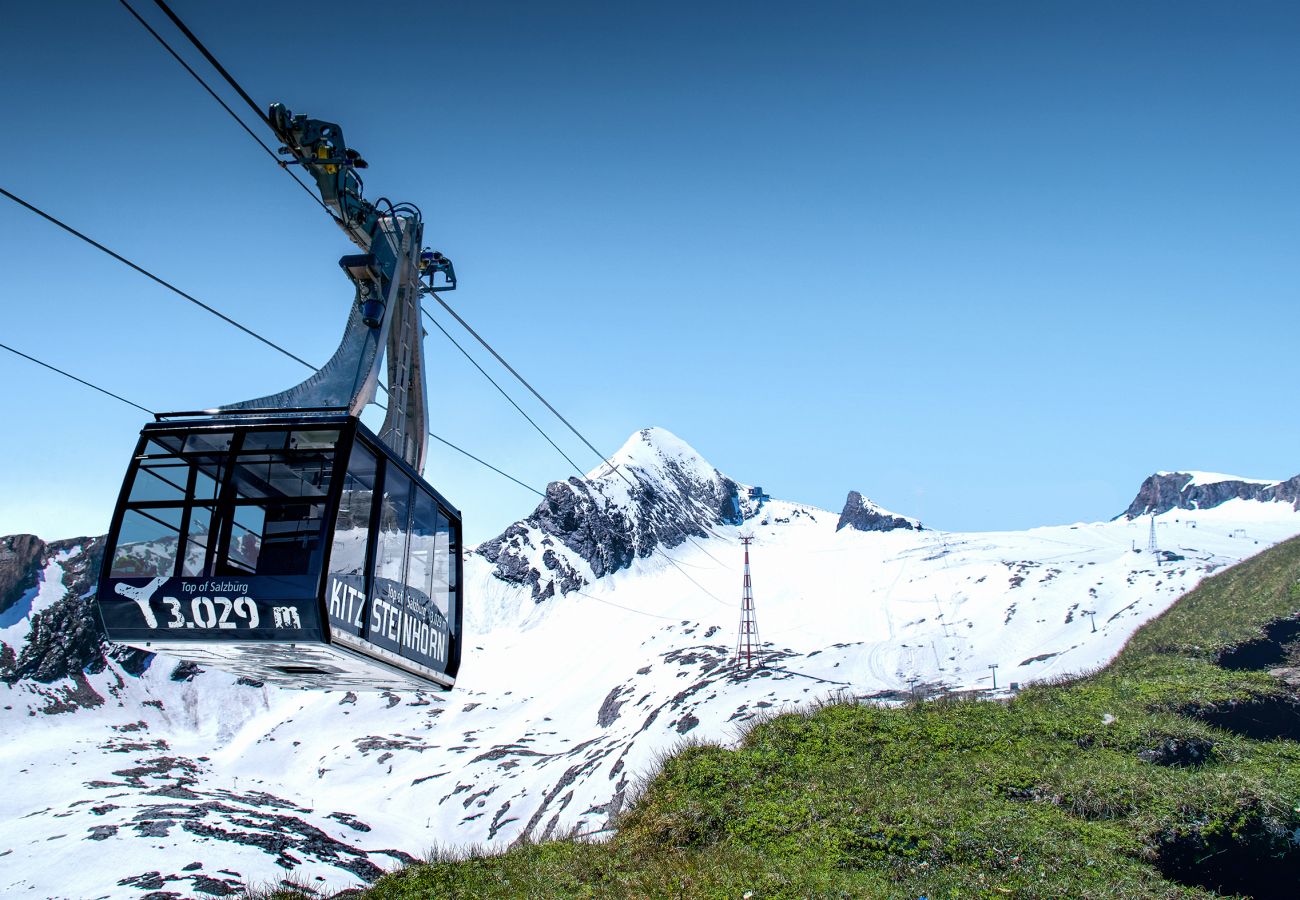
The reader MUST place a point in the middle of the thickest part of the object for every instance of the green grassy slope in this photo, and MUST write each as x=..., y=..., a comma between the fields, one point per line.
x=1113, y=785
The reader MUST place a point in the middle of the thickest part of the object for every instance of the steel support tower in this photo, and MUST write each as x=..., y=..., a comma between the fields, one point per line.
x=1151, y=541
x=748, y=645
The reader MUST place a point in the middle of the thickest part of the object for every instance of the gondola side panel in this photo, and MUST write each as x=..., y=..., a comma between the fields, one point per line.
x=141, y=610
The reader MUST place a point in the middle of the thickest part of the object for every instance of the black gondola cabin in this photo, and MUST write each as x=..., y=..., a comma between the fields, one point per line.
x=289, y=548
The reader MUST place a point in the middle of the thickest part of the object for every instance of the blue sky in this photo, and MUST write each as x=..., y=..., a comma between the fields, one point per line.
x=990, y=264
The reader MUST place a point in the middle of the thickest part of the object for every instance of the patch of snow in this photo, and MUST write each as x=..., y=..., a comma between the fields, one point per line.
x=1201, y=478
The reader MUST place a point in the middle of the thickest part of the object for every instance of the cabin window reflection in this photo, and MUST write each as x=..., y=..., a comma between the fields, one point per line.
x=205, y=441
x=394, y=516
x=453, y=573
x=194, y=561
x=443, y=569
x=245, y=544
x=352, y=529
x=162, y=481
x=227, y=503
x=292, y=539
x=422, y=550
x=280, y=474
x=274, y=538
x=147, y=543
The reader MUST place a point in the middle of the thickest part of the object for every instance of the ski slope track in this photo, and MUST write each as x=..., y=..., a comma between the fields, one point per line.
x=599, y=631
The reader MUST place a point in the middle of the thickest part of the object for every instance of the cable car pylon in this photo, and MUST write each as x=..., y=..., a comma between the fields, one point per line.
x=279, y=538
x=748, y=646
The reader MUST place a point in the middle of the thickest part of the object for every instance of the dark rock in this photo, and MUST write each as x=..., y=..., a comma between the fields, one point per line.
x=1173, y=490
x=214, y=886
x=149, y=881
x=1181, y=752
x=185, y=671
x=21, y=559
x=609, y=709
x=65, y=640
x=566, y=577
x=349, y=820
x=152, y=828
x=1265, y=717
x=862, y=515
x=179, y=768
x=499, y=820
x=278, y=834
x=133, y=660
x=1269, y=650
x=1252, y=855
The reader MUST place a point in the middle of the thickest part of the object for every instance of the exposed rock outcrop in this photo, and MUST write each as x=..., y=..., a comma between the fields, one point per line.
x=863, y=515
x=1164, y=491
x=65, y=639
x=21, y=557
x=659, y=494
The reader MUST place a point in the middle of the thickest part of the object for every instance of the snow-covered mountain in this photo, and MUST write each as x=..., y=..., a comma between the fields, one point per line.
x=599, y=635
x=656, y=493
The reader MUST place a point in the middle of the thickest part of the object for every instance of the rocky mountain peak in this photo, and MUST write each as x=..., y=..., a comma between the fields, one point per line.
x=862, y=515
x=1164, y=491
x=655, y=448
x=657, y=492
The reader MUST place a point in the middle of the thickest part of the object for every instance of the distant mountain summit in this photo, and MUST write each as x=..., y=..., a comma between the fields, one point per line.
x=1164, y=491
x=658, y=493
x=861, y=514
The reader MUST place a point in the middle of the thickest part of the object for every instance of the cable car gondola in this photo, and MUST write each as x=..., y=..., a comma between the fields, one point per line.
x=280, y=538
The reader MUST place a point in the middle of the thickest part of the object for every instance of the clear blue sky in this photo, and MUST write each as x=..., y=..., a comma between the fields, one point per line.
x=990, y=264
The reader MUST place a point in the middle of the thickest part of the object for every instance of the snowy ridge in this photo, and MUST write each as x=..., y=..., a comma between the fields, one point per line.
x=1165, y=491
x=1204, y=478
x=177, y=781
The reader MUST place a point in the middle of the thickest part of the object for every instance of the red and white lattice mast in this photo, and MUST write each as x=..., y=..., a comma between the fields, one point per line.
x=748, y=646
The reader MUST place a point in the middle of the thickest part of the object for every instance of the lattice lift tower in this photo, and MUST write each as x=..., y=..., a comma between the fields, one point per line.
x=748, y=645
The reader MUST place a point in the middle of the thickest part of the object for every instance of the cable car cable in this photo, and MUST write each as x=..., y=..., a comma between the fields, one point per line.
x=143, y=271
x=217, y=314
x=628, y=608
x=76, y=379
x=525, y=383
x=487, y=464
x=556, y=413
x=213, y=60
x=152, y=413
x=271, y=153
x=501, y=390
